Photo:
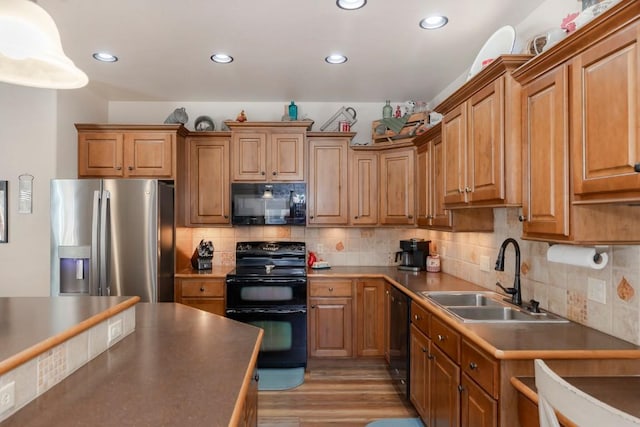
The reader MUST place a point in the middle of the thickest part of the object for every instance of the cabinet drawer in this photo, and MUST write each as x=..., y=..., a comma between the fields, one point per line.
x=203, y=288
x=421, y=318
x=481, y=367
x=446, y=338
x=333, y=288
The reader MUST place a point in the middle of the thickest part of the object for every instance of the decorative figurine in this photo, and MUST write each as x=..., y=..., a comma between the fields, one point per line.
x=242, y=117
x=410, y=107
x=398, y=112
x=179, y=115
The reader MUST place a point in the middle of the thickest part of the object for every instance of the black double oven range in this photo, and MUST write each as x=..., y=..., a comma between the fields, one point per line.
x=268, y=289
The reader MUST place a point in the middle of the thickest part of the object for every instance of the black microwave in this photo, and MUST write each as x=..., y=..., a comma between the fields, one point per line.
x=269, y=204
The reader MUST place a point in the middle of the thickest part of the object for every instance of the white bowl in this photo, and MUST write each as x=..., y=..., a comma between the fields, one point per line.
x=500, y=43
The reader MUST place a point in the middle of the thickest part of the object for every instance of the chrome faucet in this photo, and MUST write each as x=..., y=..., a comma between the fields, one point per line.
x=516, y=295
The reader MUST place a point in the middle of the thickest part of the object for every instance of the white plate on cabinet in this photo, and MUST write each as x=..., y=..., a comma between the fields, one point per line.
x=500, y=43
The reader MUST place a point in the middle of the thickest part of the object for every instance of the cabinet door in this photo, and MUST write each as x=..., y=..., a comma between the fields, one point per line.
x=387, y=322
x=484, y=150
x=363, y=188
x=478, y=408
x=327, y=201
x=249, y=156
x=286, y=157
x=330, y=327
x=454, y=142
x=424, y=185
x=440, y=217
x=419, y=376
x=250, y=408
x=605, y=119
x=397, y=194
x=148, y=155
x=370, y=326
x=545, y=204
x=100, y=154
x=445, y=396
x=209, y=181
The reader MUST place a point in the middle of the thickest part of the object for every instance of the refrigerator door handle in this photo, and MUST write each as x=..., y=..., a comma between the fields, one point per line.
x=94, y=283
x=105, y=288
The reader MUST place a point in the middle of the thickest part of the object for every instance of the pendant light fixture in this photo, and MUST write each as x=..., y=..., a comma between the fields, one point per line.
x=30, y=49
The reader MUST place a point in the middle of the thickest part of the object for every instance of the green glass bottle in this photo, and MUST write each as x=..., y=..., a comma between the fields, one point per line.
x=387, y=110
x=293, y=111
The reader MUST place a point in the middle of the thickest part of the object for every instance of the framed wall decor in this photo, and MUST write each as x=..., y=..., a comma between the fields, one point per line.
x=3, y=212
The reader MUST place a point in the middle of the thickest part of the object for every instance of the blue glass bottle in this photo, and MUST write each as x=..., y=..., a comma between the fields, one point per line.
x=293, y=111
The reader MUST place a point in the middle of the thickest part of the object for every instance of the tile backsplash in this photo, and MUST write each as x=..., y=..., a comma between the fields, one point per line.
x=560, y=288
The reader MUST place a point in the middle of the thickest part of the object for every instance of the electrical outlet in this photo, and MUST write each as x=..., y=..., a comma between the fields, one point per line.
x=7, y=396
x=597, y=290
x=485, y=263
x=115, y=330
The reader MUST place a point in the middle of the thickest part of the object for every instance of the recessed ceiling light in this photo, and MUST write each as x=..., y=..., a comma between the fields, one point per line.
x=105, y=57
x=336, y=59
x=433, y=22
x=351, y=4
x=221, y=58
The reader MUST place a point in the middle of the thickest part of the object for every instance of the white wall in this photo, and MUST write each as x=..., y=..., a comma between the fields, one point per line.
x=36, y=137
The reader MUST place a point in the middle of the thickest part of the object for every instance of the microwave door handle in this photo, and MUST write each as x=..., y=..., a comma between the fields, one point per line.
x=94, y=284
x=104, y=245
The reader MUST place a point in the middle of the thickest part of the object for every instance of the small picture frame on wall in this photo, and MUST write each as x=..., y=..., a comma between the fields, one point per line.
x=3, y=212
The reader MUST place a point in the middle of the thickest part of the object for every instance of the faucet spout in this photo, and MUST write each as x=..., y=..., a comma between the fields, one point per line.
x=515, y=292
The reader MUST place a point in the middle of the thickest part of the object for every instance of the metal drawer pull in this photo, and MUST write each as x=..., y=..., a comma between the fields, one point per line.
x=256, y=377
x=522, y=218
x=415, y=316
x=473, y=366
x=201, y=288
x=424, y=350
x=441, y=337
x=431, y=357
x=330, y=289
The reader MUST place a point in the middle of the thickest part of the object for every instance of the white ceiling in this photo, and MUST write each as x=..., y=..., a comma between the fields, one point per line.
x=279, y=47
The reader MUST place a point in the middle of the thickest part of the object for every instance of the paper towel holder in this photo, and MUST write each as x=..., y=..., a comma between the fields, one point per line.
x=597, y=257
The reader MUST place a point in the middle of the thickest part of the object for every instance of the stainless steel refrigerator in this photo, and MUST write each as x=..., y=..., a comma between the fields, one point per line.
x=113, y=237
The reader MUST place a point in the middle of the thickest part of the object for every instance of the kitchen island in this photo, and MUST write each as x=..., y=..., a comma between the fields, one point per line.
x=181, y=366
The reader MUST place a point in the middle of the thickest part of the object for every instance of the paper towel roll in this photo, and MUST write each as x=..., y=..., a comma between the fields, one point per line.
x=577, y=255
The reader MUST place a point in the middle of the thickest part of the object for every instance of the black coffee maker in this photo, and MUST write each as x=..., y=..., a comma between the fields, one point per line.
x=413, y=256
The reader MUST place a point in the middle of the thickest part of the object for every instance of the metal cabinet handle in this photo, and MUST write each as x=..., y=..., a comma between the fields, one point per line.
x=473, y=366
x=441, y=337
x=313, y=306
x=424, y=350
x=415, y=316
x=522, y=218
x=460, y=388
x=330, y=289
x=636, y=167
x=386, y=292
x=226, y=217
x=201, y=288
x=467, y=189
x=256, y=377
x=130, y=168
x=460, y=190
x=410, y=216
x=311, y=217
x=262, y=173
x=355, y=217
x=431, y=357
x=274, y=173
x=118, y=168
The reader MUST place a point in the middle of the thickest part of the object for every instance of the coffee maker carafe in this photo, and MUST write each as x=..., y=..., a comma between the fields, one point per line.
x=413, y=256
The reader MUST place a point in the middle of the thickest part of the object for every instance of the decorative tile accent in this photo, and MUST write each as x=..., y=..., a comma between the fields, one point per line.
x=577, y=307
x=52, y=368
x=339, y=247
x=625, y=290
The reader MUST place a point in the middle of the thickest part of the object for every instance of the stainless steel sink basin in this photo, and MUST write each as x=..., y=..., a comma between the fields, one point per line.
x=487, y=307
x=464, y=299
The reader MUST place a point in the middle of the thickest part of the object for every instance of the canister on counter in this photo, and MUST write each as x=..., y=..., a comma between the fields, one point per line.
x=344, y=126
x=433, y=263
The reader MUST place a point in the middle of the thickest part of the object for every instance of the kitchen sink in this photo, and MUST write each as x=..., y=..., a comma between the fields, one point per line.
x=487, y=307
x=464, y=299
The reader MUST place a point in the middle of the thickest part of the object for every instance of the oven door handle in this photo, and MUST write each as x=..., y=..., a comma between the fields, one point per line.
x=266, y=310
x=258, y=280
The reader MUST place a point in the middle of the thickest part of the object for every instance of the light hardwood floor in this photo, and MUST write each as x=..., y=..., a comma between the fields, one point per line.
x=336, y=392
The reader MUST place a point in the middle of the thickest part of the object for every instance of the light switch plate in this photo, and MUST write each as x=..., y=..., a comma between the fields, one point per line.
x=7, y=396
x=485, y=263
x=597, y=290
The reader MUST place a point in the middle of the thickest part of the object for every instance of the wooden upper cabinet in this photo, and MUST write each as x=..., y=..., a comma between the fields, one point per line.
x=606, y=119
x=424, y=185
x=363, y=187
x=545, y=205
x=128, y=151
x=481, y=138
x=207, y=177
x=397, y=180
x=268, y=151
x=327, y=190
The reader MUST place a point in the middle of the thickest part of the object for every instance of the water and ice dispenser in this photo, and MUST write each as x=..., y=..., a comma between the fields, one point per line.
x=74, y=269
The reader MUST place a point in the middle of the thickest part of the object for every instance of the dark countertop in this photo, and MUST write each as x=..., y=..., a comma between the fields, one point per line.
x=181, y=366
x=30, y=326
x=620, y=392
x=504, y=341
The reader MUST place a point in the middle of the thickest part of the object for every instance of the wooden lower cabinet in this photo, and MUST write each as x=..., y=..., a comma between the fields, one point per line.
x=419, y=372
x=204, y=294
x=370, y=298
x=250, y=408
x=445, y=394
x=330, y=318
x=478, y=409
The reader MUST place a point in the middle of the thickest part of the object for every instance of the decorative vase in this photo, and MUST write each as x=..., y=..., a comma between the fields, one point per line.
x=293, y=111
x=387, y=110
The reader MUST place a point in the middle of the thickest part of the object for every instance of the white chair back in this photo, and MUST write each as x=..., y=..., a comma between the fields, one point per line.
x=582, y=409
